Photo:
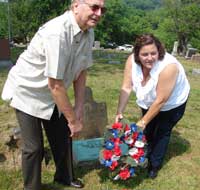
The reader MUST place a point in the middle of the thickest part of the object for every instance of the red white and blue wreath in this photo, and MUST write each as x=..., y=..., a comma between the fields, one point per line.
x=124, y=150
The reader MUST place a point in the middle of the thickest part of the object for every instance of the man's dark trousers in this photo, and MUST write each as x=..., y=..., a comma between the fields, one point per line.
x=58, y=135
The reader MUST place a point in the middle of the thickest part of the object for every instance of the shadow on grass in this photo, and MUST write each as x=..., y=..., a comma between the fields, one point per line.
x=177, y=146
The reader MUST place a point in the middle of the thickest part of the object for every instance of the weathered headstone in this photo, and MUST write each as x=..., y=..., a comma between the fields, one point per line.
x=97, y=44
x=5, y=61
x=196, y=72
x=196, y=58
x=95, y=117
x=4, y=49
x=190, y=52
x=87, y=146
x=175, y=48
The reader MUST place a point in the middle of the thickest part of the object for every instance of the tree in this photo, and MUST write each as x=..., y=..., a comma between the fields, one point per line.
x=185, y=20
x=27, y=16
x=3, y=21
x=121, y=24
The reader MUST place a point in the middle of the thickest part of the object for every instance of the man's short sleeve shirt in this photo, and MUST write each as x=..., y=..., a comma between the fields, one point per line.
x=60, y=50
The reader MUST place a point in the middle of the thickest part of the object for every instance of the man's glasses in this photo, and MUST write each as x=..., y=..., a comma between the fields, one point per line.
x=95, y=7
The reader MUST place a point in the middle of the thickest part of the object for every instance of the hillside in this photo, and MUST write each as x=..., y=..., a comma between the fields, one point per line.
x=145, y=4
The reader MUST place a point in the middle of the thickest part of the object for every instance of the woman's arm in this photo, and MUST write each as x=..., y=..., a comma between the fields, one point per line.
x=126, y=89
x=165, y=86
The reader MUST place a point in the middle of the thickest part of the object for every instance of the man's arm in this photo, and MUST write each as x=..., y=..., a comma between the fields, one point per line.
x=61, y=99
x=79, y=93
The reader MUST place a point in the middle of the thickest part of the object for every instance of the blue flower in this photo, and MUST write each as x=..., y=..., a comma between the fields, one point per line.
x=114, y=133
x=133, y=127
x=142, y=159
x=132, y=171
x=107, y=163
x=109, y=145
x=140, y=135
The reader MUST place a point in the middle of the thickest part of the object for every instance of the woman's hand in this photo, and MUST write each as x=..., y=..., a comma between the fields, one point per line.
x=118, y=117
x=141, y=123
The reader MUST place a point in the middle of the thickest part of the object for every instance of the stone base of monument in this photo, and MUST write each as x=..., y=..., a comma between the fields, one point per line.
x=86, y=150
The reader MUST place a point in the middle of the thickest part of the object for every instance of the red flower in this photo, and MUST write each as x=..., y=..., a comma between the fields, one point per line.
x=127, y=128
x=124, y=174
x=117, y=151
x=117, y=126
x=140, y=152
x=114, y=165
x=135, y=135
x=136, y=157
x=117, y=141
x=107, y=154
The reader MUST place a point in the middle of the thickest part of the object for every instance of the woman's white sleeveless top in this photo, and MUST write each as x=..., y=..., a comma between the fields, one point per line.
x=146, y=95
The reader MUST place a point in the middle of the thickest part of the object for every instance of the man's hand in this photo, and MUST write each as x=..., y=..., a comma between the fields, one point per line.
x=75, y=127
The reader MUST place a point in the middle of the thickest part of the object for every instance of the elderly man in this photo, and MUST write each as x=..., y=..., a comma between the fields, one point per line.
x=37, y=87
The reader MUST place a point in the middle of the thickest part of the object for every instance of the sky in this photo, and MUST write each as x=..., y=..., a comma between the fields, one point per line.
x=3, y=0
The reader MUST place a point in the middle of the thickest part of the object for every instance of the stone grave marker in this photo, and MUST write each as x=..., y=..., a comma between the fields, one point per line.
x=95, y=117
x=175, y=48
x=87, y=146
x=97, y=44
x=196, y=58
x=5, y=61
x=196, y=72
x=190, y=52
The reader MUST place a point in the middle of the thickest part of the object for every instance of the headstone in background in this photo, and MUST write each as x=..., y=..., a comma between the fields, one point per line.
x=5, y=61
x=97, y=44
x=196, y=72
x=4, y=49
x=95, y=117
x=196, y=58
x=190, y=52
x=175, y=48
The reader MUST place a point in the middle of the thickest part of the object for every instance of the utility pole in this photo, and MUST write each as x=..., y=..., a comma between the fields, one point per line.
x=9, y=22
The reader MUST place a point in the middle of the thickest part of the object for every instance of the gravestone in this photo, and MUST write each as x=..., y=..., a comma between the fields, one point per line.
x=97, y=44
x=196, y=72
x=5, y=61
x=95, y=117
x=86, y=147
x=175, y=48
x=4, y=49
x=190, y=52
x=196, y=58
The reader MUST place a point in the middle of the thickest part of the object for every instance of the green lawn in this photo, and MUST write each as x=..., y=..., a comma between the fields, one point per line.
x=182, y=163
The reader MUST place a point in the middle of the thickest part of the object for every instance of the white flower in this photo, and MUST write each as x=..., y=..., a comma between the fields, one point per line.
x=133, y=151
x=115, y=158
x=139, y=144
x=127, y=133
x=129, y=141
x=116, y=177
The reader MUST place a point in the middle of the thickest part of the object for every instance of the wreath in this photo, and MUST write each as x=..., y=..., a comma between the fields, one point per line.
x=124, y=150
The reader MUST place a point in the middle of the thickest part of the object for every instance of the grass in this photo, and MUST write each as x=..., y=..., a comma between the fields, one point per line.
x=182, y=162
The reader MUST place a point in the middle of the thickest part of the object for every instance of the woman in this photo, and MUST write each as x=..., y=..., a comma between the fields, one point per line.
x=162, y=90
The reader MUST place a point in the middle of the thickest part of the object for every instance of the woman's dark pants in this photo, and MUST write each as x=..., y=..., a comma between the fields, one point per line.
x=58, y=135
x=158, y=133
